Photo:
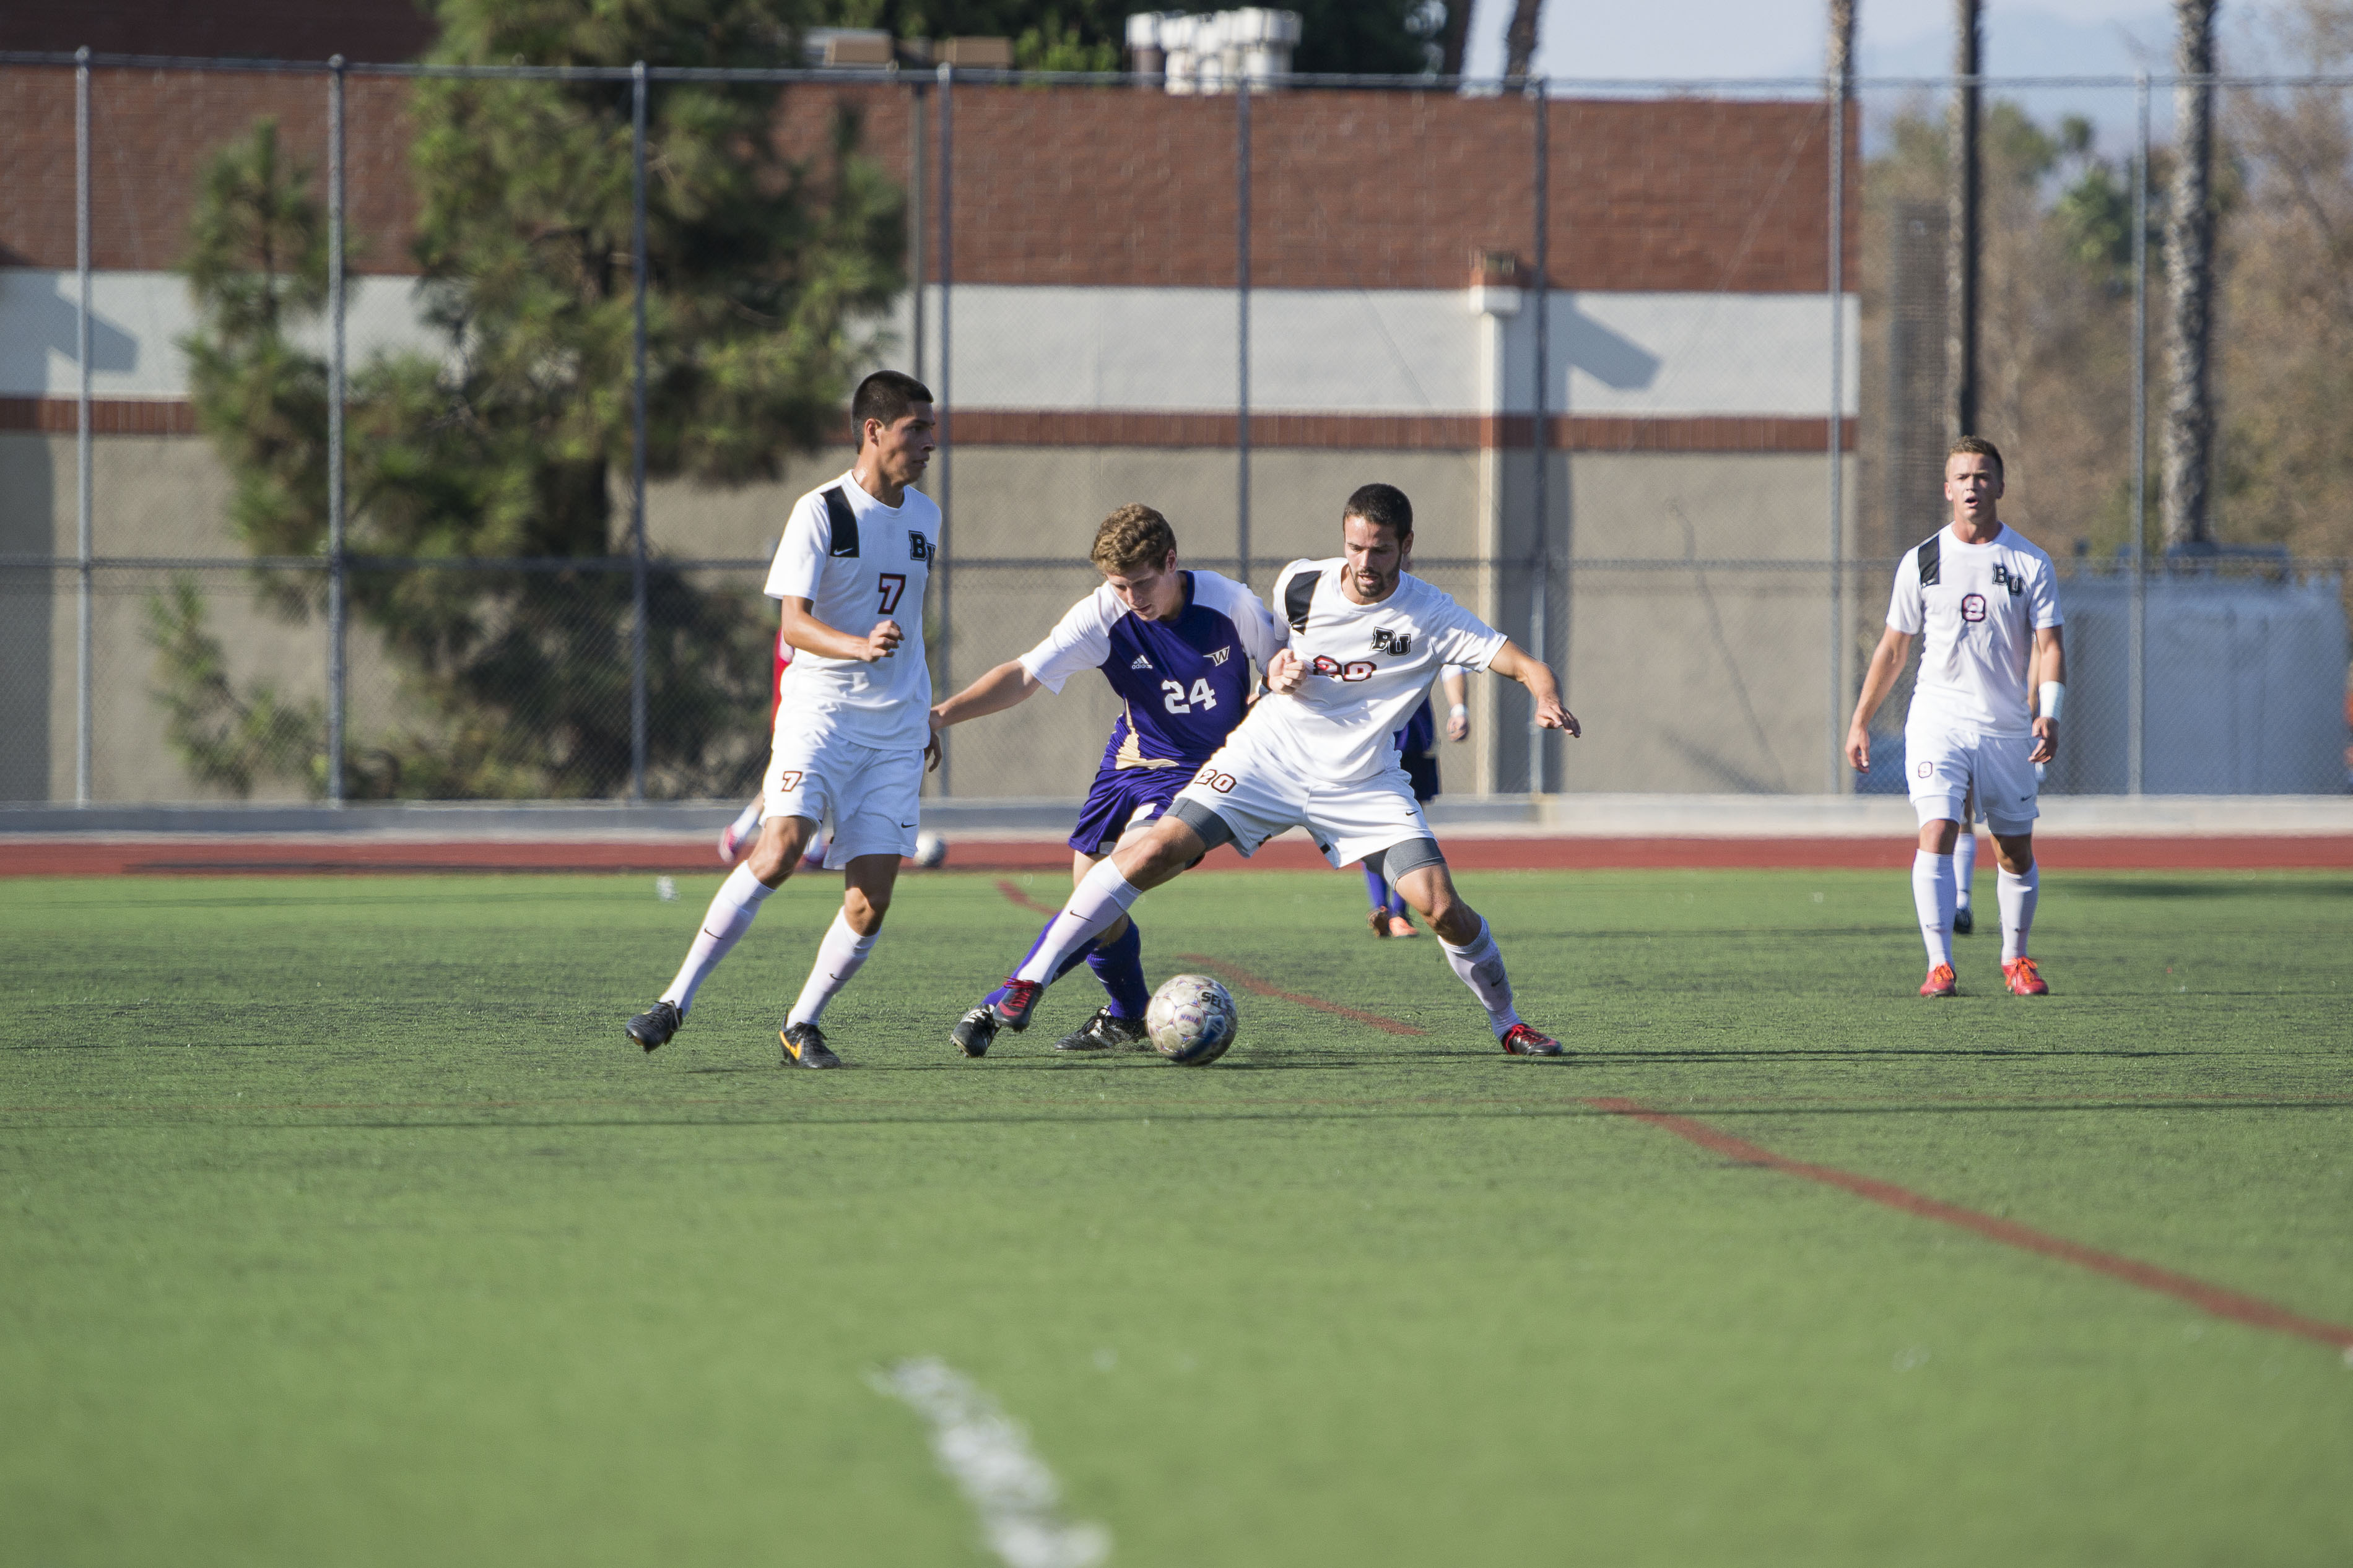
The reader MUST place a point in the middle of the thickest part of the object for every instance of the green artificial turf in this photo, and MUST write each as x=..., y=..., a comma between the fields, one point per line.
x=339, y=1223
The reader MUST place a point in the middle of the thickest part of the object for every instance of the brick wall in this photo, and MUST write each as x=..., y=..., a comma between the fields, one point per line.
x=1089, y=186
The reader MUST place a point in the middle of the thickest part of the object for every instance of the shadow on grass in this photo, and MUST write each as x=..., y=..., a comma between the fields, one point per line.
x=2251, y=885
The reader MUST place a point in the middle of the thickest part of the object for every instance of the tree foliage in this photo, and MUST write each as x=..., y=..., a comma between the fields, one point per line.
x=515, y=442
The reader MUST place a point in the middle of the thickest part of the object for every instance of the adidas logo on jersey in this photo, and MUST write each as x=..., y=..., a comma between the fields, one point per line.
x=1141, y=663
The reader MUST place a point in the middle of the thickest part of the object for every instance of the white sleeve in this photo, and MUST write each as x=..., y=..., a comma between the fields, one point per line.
x=2043, y=599
x=1462, y=639
x=1080, y=640
x=1908, y=607
x=1261, y=633
x=801, y=554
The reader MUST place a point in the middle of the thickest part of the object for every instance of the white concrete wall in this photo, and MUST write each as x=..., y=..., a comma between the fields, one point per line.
x=1395, y=351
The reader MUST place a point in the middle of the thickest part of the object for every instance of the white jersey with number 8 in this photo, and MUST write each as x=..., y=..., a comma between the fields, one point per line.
x=858, y=563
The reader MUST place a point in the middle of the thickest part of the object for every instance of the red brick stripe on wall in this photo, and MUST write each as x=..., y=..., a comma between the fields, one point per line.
x=108, y=415
x=1088, y=428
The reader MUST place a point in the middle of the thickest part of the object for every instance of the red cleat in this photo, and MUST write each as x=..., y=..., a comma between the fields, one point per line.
x=1941, y=982
x=1519, y=1040
x=2023, y=979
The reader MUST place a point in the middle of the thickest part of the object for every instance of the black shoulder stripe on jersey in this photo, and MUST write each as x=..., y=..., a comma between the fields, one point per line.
x=1928, y=554
x=845, y=522
x=1297, y=595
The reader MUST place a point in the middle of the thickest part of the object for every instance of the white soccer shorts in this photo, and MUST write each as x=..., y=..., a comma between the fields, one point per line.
x=1260, y=797
x=1944, y=762
x=870, y=794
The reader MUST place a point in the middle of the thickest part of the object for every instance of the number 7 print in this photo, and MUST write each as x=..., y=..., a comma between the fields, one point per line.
x=893, y=583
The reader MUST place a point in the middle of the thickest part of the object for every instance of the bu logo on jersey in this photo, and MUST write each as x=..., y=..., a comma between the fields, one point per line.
x=918, y=547
x=2007, y=578
x=1387, y=641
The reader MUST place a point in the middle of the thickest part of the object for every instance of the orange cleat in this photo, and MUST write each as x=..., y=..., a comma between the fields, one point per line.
x=1941, y=982
x=1399, y=925
x=2023, y=979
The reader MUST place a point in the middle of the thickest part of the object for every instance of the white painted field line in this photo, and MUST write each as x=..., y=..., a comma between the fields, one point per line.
x=987, y=1453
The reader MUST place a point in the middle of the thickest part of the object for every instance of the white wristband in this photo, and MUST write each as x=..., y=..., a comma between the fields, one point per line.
x=1458, y=711
x=2052, y=692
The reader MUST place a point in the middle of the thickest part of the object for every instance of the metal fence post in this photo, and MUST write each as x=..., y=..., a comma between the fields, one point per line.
x=915, y=227
x=1837, y=423
x=1243, y=323
x=946, y=407
x=2136, y=656
x=1539, y=616
x=84, y=533
x=336, y=611
x=637, y=441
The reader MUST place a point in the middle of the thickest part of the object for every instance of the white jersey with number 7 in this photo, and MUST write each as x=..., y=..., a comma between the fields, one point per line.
x=858, y=563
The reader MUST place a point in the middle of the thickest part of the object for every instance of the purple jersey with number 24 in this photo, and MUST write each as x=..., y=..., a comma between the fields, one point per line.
x=1184, y=681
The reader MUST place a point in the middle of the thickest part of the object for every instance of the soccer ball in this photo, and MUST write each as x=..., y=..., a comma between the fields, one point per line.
x=930, y=849
x=1191, y=1020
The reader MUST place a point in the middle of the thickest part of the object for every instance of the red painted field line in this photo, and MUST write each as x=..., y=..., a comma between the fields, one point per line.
x=1245, y=979
x=2206, y=1298
x=1252, y=983
x=76, y=856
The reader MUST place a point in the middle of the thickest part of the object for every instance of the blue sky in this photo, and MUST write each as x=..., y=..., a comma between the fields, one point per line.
x=1896, y=37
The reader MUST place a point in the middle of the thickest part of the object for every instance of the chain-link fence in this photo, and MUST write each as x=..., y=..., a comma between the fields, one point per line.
x=424, y=432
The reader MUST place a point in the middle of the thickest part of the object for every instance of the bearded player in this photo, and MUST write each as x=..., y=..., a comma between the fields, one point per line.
x=851, y=733
x=1985, y=604
x=1364, y=640
x=1177, y=648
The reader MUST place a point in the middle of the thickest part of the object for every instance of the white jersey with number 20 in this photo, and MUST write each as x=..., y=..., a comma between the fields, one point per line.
x=1368, y=666
x=873, y=568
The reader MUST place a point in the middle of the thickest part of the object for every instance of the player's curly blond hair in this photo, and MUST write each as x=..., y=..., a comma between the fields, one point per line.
x=1131, y=540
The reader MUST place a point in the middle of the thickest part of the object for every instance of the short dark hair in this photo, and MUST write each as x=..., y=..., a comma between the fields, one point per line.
x=1975, y=446
x=887, y=395
x=1383, y=506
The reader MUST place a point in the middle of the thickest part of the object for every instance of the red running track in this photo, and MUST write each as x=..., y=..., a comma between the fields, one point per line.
x=278, y=857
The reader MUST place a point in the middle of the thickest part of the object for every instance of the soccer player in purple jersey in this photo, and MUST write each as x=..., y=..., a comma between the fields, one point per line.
x=1177, y=648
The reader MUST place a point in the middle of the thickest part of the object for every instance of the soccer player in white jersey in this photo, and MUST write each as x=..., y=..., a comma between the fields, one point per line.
x=1985, y=604
x=1365, y=639
x=852, y=724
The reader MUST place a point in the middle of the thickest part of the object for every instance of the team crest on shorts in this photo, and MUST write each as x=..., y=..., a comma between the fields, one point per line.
x=1925, y=769
x=1973, y=607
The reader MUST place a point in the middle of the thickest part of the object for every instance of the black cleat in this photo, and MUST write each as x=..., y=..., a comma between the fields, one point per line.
x=1105, y=1032
x=975, y=1031
x=804, y=1046
x=1963, y=921
x=1520, y=1040
x=653, y=1027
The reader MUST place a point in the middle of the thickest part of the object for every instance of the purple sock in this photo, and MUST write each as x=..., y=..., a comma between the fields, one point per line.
x=1120, y=966
x=1378, y=888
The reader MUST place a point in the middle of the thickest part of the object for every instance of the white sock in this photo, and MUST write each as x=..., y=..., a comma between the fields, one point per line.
x=723, y=924
x=1479, y=963
x=2017, y=895
x=1932, y=896
x=1102, y=896
x=1964, y=865
x=840, y=955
